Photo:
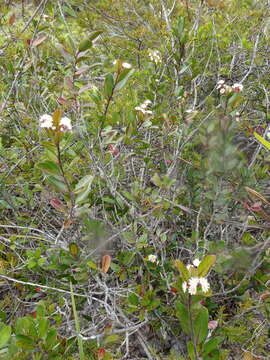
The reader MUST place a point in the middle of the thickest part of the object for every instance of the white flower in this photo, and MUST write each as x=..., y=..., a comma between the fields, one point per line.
x=268, y=135
x=237, y=116
x=126, y=65
x=154, y=56
x=225, y=89
x=184, y=286
x=221, y=82
x=196, y=262
x=65, y=124
x=148, y=102
x=237, y=87
x=193, y=283
x=46, y=121
x=222, y=91
x=142, y=108
x=204, y=284
x=152, y=258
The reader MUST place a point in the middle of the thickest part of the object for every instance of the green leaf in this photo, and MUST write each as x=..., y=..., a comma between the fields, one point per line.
x=108, y=85
x=123, y=78
x=92, y=265
x=58, y=184
x=111, y=339
x=234, y=99
x=154, y=303
x=183, y=316
x=191, y=351
x=95, y=34
x=83, y=188
x=51, y=339
x=43, y=326
x=85, y=45
x=182, y=269
x=5, y=334
x=206, y=264
x=133, y=299
x=201, y=325
x=108, y=200
x=214, y=355
x=156, y=180
x=211, y=344
x=49, y=167
x=262, y=140
x=25, y=342
x=23, y=325
x=57, y=115
x=73, y=249
x=41, y=310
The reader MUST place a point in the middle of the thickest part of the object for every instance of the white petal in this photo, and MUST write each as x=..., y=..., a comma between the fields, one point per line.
x=126, y=65
x=184, y=286
x=46, y=121
x=196, y=262
x=193, y=283
x=204, y=284
x=65, y=124
x=152, y=258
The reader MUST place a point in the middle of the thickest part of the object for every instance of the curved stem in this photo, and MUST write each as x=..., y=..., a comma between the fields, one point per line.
x=71, y=194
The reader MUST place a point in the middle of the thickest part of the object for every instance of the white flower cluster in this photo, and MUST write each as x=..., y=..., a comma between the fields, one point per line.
x=121, y=64
x=152, y=258
x=193, y=283
x=143, y=107
x=46, y=121
x=226, y=89
x=154, y=56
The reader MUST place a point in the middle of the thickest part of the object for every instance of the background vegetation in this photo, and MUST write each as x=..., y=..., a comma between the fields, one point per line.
x=99, y=219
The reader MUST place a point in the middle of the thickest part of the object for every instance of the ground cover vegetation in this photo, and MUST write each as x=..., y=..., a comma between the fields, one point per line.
x=134, y=179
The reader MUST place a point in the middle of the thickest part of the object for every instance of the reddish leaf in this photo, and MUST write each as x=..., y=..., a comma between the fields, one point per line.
x=68, y=82
x=212, y=324
x=57, y=205
x=26, y=214
x=265, y=296
x=250, y=131
x=81, y=70
x=12, y=19
x=106, y=262
x=257, y=206
x=39, y=40
x=112, y=149
x=245, y=204
x=260, y=130
x=101, y=353
x=62, y=101
x=67, y=223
